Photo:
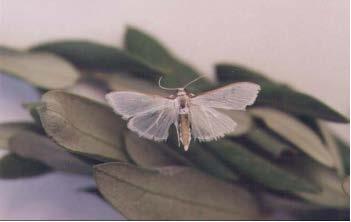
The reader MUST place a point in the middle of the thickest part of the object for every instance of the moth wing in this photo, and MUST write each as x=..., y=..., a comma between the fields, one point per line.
x=154, y=125
x=235, y=96
x=150, y=116
x=128, y=104
x=209, y=124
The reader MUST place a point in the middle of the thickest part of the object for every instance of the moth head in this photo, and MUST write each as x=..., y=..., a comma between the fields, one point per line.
x=181, y=92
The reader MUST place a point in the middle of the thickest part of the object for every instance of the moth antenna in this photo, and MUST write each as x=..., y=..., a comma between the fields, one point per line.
x=165, y=88
x=192, y=81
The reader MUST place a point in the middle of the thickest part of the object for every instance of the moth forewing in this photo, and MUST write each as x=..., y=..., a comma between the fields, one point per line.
x=235, y=96
x=149, y=116
x=209, y=124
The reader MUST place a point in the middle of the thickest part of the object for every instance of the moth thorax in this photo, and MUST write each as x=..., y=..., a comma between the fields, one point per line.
x=184, y=110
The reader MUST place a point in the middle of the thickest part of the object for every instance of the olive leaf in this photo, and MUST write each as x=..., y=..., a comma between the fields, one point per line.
x=13, y=166
x=95, y=56
x=344, y=150
x=90, y=88
x=32, y=108
x=268, y=142
x=332, y=194
x=279, y=96
x=172, y=193
x=44, y=70
x=333, y=148
x=258, y=169
x=203, y=159
x=82, y=126
x=148, y=154
x=176, y=72
x=284, y=203
x=7, y=130
x=294, y=131
x=31, y=145
x=346, y=185
x=124, y=81
x=91, y=190
x=238, y=73
x=209, y=163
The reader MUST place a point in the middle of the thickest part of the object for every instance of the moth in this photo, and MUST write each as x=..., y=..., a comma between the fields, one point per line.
x=198, y=117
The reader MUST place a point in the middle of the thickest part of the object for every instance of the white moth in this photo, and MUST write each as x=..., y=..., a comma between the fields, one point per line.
x=151, y=116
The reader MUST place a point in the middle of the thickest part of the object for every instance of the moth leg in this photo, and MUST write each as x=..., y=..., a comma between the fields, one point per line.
x=178, y=137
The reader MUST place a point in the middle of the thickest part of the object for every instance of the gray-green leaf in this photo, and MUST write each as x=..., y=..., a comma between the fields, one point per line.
x=127, y=82
x=44, y=70
x=344, y=150
x=203, y=159
x=96, y=56
x=82, y=125
x=34, y=146
x=32, y=108
x=13, y=166
x=279, y=96
x=332, y=194
x=333, y=148
x=172, y=193
x=294, y=131
x=268, y=142
x=148, y=154
x=7, y=130
x=176, y=73
x=259, y=169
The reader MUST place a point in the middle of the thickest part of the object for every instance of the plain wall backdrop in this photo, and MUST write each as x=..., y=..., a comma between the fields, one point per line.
x=304, y=43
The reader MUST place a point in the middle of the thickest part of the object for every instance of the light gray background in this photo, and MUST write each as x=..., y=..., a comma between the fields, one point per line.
x=304, y=43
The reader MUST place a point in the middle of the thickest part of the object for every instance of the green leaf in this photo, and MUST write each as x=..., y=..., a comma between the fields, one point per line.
x=237, y=73
x=82, y=126
x=7, y=130
x=127, y=82
x=176, y=73
x=44, y=70
x=95, y=56
x=332, y=194
x=203, y=159
x=285, y=99
x=90, y=88
x=209, y=163
x=333, y=148
x=259, y=169
x=346, y=185
x=344, y=150
x=279, y=96
x=294, y=131
x=268, y=142
x=172, y=193
x=146, y=153
x=32, y=108
x=13, y=166
x=91, y=190
x=36, y=147
x=277, y=202
x=147, y=47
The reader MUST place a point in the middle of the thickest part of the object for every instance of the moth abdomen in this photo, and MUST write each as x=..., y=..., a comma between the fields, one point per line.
x=184, y=130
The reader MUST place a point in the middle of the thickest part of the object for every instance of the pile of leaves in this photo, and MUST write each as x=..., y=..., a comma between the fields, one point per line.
x=281, y=158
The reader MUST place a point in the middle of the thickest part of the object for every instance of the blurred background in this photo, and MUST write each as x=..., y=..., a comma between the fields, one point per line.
x=302, y=43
